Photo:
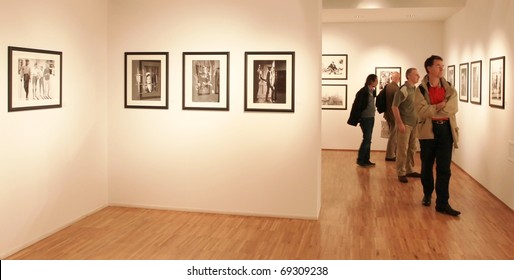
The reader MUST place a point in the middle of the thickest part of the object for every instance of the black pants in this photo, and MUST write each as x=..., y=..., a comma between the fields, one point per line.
x=438, y=150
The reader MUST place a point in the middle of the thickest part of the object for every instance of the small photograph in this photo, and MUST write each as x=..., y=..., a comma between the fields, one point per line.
x=384, y=76
x=146, y=80
x=333, y=97
x=450, y=75
x=476, y=82
x=34, y=79
x=497, y=82
x=463, y=82
x=334, y=66
x=205, y=81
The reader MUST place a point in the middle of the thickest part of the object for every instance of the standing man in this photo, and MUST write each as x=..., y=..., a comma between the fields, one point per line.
x=391, y=89
x=25, y=75
x=406, y=119
x=437, y=132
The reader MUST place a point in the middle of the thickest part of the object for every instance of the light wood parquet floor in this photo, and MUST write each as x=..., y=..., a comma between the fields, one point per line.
x=366, y=214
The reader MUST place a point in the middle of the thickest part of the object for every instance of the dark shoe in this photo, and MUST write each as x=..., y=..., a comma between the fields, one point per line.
x=448, y=210
x=403, y=179
x=391, y=159
x=371, y=163
x=427, y=200
x=414, y=175
x=365, y=164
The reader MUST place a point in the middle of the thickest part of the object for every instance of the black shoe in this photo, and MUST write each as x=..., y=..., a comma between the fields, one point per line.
x=391, y=159
x=427, y=200
x=403, y=179
x=371, y=163
x=366, y=164
x=448, y=210
x=414, y=175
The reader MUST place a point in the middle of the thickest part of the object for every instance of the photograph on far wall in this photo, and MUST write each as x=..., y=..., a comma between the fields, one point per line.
x=463, y=82
x=497, y=82
x=146, y=80
x=476, y=82
x=205, y=81
x=333, y=97
x=384, y=76
x=269, y=81
x=450, y=75
x=334, y=67
x=34, y=79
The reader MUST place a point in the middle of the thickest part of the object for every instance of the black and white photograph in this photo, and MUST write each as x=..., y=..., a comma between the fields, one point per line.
x=205, y=81
x=463, y=82
x=333, y=97
x=476, y=82
x=269, y=81
x=450, y=75
x=384, y=76
x=146, y=80
x=34, y=79
x=497, y=82
x=334, y=66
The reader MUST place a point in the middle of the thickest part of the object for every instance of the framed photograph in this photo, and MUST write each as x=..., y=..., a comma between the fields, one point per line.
x=450, y=75
x=334, y=67
x=333, y=97
x=476, y=82
x=497, y=82
x=34, y=79
x=205, y=81
x=146, y=80
x=384, y=76
x=269, y=81
x=463, y=82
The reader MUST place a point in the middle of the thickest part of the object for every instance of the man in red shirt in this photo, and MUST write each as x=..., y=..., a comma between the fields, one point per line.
x=437, y=132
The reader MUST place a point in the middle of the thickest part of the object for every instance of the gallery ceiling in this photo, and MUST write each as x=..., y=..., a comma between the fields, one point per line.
x=389, y=10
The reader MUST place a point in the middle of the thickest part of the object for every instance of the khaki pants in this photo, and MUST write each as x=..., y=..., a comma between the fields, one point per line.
x=405, y=150
x=391, y=142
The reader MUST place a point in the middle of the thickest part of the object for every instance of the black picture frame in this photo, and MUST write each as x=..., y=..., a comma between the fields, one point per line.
x=263, y=68
x=464, y=82
x=146, y=80
x=497, y=82
x=384, y=76
x=475, y=83
x=450, y=75
x=334, y=97
x=205, y=80
x=334, y=67
x=34, y=79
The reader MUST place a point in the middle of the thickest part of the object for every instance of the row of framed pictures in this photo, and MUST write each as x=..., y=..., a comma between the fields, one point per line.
x=470, y=81
x=334, y=67
x=35, y=80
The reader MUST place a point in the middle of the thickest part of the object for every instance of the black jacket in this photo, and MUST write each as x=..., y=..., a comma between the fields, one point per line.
x=359, y=104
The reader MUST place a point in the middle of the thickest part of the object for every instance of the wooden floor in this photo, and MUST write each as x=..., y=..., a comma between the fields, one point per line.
x=366, y=214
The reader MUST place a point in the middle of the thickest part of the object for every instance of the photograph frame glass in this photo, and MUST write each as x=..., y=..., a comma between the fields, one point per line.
x=146, y=80
x=334, y=67
x=205, y=80
x=475, y=87
x=497, y=82
x=464, y=82
x=334, y=97
x=34, y=78
x=450, y=75
x=269, y=81
x=384, y=76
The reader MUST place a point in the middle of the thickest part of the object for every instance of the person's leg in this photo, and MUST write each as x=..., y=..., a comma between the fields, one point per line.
x=444, y=147
x=365, y=147
x=391, y=142
x=427, y=156
x=402, y=139
x=411, y=149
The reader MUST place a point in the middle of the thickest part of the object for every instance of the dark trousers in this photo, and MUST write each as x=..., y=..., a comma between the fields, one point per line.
x=367, y=131
x=438, y=150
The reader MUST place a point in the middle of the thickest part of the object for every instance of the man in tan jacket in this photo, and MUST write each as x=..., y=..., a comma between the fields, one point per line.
x=437, y=132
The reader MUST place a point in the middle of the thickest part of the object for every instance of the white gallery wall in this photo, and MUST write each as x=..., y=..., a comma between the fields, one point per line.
x=370, y=45
x=483, y=30
x=54, y=161
x=254, y=163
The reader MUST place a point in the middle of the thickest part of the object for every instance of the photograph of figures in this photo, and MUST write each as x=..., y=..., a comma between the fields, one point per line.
x=450, y=75
x=34, y=79
x=384, y=76
x=497, y=82
x=463, y=74
x=146, y=80
x=333, y=97
x=205, y=81
x=269, y=82
x=476, y=82
x=334, y=67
